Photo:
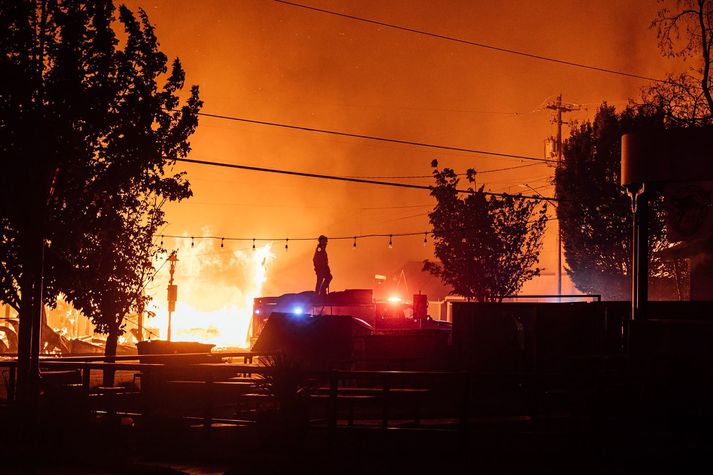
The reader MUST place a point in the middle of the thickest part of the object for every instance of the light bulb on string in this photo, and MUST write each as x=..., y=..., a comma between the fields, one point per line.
x=221, y=242
x=391, y=244
x=191, y=241
x=286, y=244
x=425, y=239
x=354, y=245
x=162, y=240
x=253, y=244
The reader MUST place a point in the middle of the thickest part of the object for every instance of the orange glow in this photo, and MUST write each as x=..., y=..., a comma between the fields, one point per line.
x=394, y=299
x=272, y=62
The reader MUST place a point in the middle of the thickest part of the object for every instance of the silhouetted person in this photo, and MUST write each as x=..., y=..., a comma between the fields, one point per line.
x=321, y=267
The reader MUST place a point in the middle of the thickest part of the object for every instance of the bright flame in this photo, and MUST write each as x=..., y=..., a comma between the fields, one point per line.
x=394, y=299
x=215, y=293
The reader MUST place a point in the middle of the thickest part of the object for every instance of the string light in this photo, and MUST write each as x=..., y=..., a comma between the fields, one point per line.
x=458, y=232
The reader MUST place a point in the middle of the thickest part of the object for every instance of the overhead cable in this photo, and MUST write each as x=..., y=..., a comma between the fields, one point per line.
x=380, y=139
x=353, y=180
x=473, y=43
x=478, y=172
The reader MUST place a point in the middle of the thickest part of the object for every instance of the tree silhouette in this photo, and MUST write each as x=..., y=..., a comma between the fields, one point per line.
x=685, y=32
x=487, y=246
x=87, y=131
x=595, y=212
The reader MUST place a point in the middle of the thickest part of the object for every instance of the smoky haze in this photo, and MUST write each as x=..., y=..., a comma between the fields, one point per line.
x=268, y=61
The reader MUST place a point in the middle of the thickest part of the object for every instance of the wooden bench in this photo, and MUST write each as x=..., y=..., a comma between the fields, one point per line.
x=108, y=396
x=387, y=395
x=55, y=379
x=350, y=399
x=209, y=396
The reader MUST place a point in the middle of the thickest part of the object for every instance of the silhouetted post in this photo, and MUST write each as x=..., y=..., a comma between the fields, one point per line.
x=333, y=395
x=37, y=316
x=172, y=292
x=642, y=251
x=560, y=107
x=140, y=322
x=28, y=351
x=385, y=407
x=24, y=344
x=31, y=315
x=639, y=253
x=12, y=372
x=465, y=404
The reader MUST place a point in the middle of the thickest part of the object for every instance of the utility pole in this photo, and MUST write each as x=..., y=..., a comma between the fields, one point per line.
x=559, y=107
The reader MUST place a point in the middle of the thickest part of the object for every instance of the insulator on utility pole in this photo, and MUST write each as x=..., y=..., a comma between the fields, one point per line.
x=560, y=107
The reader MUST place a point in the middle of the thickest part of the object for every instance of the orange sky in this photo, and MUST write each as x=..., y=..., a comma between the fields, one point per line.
x=268, y=61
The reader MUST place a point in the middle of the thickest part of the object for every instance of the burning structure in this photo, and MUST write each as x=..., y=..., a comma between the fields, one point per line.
x=216, y=295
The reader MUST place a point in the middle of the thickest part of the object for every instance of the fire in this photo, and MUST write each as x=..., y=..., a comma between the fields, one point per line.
x=216, y=288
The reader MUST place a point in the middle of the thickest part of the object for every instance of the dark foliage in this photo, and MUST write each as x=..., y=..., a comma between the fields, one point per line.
x=87, y=125
x=595, y=212
x=487, y=246
x=686, y=32
x=287, y=383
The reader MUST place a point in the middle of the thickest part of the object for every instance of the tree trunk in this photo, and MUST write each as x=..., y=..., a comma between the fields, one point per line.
x=24, y=341
x=110, y=354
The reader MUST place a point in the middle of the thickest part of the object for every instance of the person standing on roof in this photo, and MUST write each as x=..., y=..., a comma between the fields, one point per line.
x=321, y=267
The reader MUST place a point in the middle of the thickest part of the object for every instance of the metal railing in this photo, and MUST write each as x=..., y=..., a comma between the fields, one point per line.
x=210, y=383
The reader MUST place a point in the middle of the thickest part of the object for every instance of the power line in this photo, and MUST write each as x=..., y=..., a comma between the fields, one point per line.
x=344, y=208
x=473, y=43
x=372, y=137
x=253, y=205
x=402, y=218
x=398, y=207
x=478, y=172
x=146, y=329
x=494, y=170
x=366, y=105
x=353, y=180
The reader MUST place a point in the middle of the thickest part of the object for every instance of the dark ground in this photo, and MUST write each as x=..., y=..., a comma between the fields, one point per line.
x=524, y=447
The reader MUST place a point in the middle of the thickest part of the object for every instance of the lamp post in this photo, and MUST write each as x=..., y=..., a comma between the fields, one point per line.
x=172, y=292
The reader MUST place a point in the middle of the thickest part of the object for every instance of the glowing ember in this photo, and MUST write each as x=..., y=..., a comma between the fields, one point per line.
x=216, y=288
